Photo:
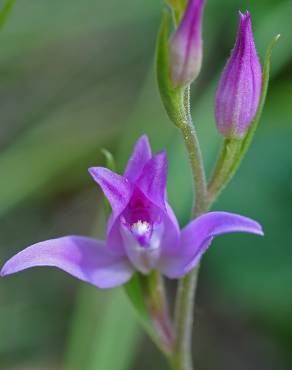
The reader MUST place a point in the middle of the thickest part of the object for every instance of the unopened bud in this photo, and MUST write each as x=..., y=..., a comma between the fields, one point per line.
x=239, y=89
x=186, y=45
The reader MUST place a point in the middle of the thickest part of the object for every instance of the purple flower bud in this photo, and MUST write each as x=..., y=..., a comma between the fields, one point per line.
x=186, y=45
x=239, y=90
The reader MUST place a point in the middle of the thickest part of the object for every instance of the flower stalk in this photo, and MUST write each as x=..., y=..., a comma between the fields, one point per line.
x=157, y=305
x=223, y=172
x=185, y=299
x=182, y=358
x=177, y=104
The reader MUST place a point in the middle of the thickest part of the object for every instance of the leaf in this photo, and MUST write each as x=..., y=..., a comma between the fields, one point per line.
x=171, y=96
x=4, y=13
x=136, y=295
x=178, y=7
x=116, y=321
x=102, y=320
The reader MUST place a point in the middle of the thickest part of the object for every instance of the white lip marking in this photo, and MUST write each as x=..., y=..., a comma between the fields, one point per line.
x=140, y=228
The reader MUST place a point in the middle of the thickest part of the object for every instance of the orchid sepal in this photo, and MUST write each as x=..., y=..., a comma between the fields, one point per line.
x=142, y=235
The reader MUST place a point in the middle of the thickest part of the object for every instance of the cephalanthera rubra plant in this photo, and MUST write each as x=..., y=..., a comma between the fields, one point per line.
x=144, y=242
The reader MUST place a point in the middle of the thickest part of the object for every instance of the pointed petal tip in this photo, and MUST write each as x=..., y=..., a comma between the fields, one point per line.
x=161, y=158
x=258, y=229
x=244, y=15
x=5, y=270
x=92, y=171
x=96, y=173
x=162, y=154
x=144, y=137
x=144, y=140
x=244, y=18
x=140, y=156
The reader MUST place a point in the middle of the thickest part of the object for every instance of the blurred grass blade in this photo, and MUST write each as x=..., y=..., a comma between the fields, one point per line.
x=117, y=321
x=5, y=11
x=135, y=294
x=110, y=164
x=105, y=333
x=109, y=159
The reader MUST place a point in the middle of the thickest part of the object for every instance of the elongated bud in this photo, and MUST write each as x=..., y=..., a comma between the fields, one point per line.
x=186, y=45
x=239, y=89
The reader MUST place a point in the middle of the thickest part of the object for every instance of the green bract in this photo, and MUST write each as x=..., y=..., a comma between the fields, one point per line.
x=172, y=97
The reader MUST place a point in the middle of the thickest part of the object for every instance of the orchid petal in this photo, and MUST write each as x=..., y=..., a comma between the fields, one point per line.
x=138, y=159
x=171, y=234
x=85, y=258
x=143, y=258
x=197, y=236
x=152, y=181
x=116, y=188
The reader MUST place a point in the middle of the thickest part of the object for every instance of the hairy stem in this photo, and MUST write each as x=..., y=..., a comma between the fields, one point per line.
x=195, y=156
x=181, y=358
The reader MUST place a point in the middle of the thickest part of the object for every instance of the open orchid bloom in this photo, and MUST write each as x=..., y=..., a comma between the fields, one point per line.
x=142, y=233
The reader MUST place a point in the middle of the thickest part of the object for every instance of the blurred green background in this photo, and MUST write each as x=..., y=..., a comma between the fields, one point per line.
x=77, y=76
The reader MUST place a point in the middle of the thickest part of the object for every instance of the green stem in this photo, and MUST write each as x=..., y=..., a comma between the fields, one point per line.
x=224, y=169
x=157, y=304
x=181, y=358
x=195, y=156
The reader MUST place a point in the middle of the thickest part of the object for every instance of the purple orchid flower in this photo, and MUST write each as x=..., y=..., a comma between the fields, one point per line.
x=142, y=233
x=239, y=90
x=186, y=45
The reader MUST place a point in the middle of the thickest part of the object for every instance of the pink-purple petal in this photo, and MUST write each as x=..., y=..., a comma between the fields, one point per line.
x=197, y=236
x=85, y=258
x=138, y=159
x=171, y=235
x=117, y=189
x=152, y=181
